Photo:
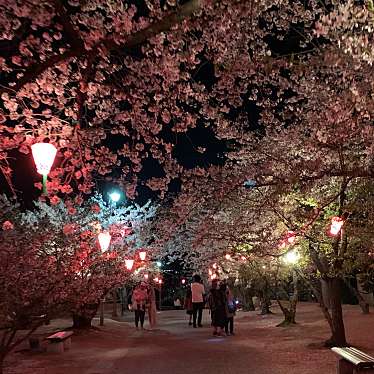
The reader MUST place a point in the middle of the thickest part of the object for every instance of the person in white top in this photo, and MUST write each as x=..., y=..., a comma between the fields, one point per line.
x=198, y=291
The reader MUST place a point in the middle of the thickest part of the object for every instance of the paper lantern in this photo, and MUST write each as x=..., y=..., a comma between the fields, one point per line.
x=104, y=240
x=142, y=255
x=336, y=225
x=129, y=264
x=44, y=154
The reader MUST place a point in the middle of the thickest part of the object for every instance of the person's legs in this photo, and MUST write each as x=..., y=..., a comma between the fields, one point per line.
x=137, y=318
x=190, y=320
x=232, y=325
x=141, y=315
x=200, y=317
x=195, y=307
x=227, y=326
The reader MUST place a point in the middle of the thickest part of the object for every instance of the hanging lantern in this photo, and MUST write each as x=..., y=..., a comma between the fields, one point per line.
x=142, y=255
x=336, y=225
x=291, y=237
x=44, y=154
x=183, y=281
x=129, y=264
x=104, y=240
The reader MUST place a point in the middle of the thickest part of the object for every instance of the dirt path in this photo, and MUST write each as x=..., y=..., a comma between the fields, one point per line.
x=176, y=348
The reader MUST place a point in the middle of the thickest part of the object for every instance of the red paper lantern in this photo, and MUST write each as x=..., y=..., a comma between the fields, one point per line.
x=336, y=225
x=104, y=240
x=142, y=255
x=44, y=154
x=129, y=264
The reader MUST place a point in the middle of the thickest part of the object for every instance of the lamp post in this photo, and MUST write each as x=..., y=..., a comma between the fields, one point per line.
x=44, y=155
x=104, y=242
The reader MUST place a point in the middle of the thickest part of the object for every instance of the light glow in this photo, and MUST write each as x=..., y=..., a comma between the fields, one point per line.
x=183, y=281
x=104, y=240
x=292, y=257
x=227, y=256
x=115, y=196
x=142, y=255
x=44, y=155
x=146, y=276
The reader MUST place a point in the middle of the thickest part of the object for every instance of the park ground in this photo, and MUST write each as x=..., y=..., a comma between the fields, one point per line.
x=259, y=347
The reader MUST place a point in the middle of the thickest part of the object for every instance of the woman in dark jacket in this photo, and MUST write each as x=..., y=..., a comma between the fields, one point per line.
x=217, y=304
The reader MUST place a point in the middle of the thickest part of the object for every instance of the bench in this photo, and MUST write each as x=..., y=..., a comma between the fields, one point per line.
x=59, y=341
x=353, y=361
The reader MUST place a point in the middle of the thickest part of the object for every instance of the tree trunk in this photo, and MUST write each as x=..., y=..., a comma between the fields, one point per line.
x=290, y=313
x=81, y=322
x=338, y=338
x=114, y=303
x=361, y=301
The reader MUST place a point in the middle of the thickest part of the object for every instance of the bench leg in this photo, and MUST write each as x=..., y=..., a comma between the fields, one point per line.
x=345, y=367
x=55, y=347
x=67, y=343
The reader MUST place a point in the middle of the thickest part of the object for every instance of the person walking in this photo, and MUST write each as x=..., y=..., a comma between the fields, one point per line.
x=188, y=305
x=197, y=290
x=139, y=301
x=217, y=304
x=230, y=309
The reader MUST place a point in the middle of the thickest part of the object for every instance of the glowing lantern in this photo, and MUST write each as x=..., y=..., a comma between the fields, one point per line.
x=142, y=255
x=227, y=256
x=44, y=154
x=292, y=257
x=160, y=281
x=336, y=225
x=129, y=264
x=104, y=240
x=183, y=281
x=146, y=276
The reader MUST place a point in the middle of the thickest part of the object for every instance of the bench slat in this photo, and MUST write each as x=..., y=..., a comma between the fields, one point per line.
x=355, y=356
x=61, y=335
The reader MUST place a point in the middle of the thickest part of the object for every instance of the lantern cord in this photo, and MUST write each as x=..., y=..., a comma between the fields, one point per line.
x=45, y=184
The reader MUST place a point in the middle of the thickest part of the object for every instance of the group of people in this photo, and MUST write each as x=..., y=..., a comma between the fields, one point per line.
x=144, y=300
x=220, y=302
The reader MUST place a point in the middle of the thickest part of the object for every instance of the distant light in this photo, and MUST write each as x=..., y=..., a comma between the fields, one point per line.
x=243, y=258
x=183, y=281
x=227, y=256
x=214, y=266
x=146, y=276
x=115, y=196
x=210, y=272
x=156, y=279
x=236, y=301
x=264, y=266
x=142, y=255
x=129, y=264
x=159, y=264
x=160, y=281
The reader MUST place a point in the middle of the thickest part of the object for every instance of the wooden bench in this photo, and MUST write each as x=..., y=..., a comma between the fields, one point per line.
x=353, y=361
x=59, y=341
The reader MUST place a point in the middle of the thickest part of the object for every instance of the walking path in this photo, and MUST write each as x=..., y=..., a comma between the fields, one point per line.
x=176, y=348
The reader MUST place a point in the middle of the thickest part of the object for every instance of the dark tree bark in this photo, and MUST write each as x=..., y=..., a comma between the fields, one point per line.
x=82, y=322
x=338, y=338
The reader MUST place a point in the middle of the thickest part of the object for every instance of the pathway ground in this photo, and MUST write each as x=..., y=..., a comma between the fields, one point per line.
x=259, y=347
